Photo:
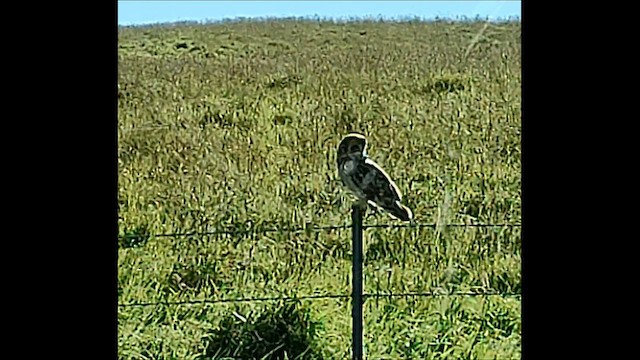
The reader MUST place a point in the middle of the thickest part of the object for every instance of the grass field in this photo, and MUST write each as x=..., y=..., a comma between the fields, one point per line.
x=235, y=126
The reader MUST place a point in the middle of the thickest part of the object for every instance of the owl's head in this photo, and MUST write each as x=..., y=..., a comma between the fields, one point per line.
x=352, y=146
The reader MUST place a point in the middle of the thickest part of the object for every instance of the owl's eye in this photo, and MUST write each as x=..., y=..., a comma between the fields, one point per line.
x=355, y=148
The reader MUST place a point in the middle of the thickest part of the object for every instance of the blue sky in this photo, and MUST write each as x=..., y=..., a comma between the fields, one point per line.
x=146, y=12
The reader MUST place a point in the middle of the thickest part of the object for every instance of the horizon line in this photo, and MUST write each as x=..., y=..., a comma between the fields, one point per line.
x=338, y=19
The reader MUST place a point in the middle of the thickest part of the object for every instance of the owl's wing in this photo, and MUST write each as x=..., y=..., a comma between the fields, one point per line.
x=374, y=184
x=377, y=184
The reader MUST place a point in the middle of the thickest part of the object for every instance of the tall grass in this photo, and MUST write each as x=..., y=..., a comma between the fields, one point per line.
x=234, y=125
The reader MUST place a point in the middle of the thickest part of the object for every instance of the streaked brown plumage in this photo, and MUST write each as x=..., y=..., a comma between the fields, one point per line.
x=367, y=180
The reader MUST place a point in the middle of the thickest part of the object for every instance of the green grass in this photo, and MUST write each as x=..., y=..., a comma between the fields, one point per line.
x=234, y=126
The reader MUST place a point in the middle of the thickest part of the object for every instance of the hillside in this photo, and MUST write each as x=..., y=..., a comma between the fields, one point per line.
x=231, y=128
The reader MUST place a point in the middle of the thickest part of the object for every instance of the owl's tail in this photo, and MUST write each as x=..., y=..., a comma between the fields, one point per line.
x=400, y=211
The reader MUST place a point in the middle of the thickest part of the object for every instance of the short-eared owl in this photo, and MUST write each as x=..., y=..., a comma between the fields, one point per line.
x=367, y=180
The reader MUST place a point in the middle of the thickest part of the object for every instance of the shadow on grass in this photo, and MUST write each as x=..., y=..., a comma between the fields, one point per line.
x=283, y=331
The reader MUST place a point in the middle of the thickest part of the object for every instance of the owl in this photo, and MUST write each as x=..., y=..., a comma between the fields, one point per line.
x=367, y=180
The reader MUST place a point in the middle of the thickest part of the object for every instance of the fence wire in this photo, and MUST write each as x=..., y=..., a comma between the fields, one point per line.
x=249, y=230
x=315, y=297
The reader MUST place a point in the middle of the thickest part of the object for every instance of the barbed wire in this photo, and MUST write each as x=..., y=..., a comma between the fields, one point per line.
x=316, y=297
x=433, y=225
x=251, y=230
x=146, y=128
